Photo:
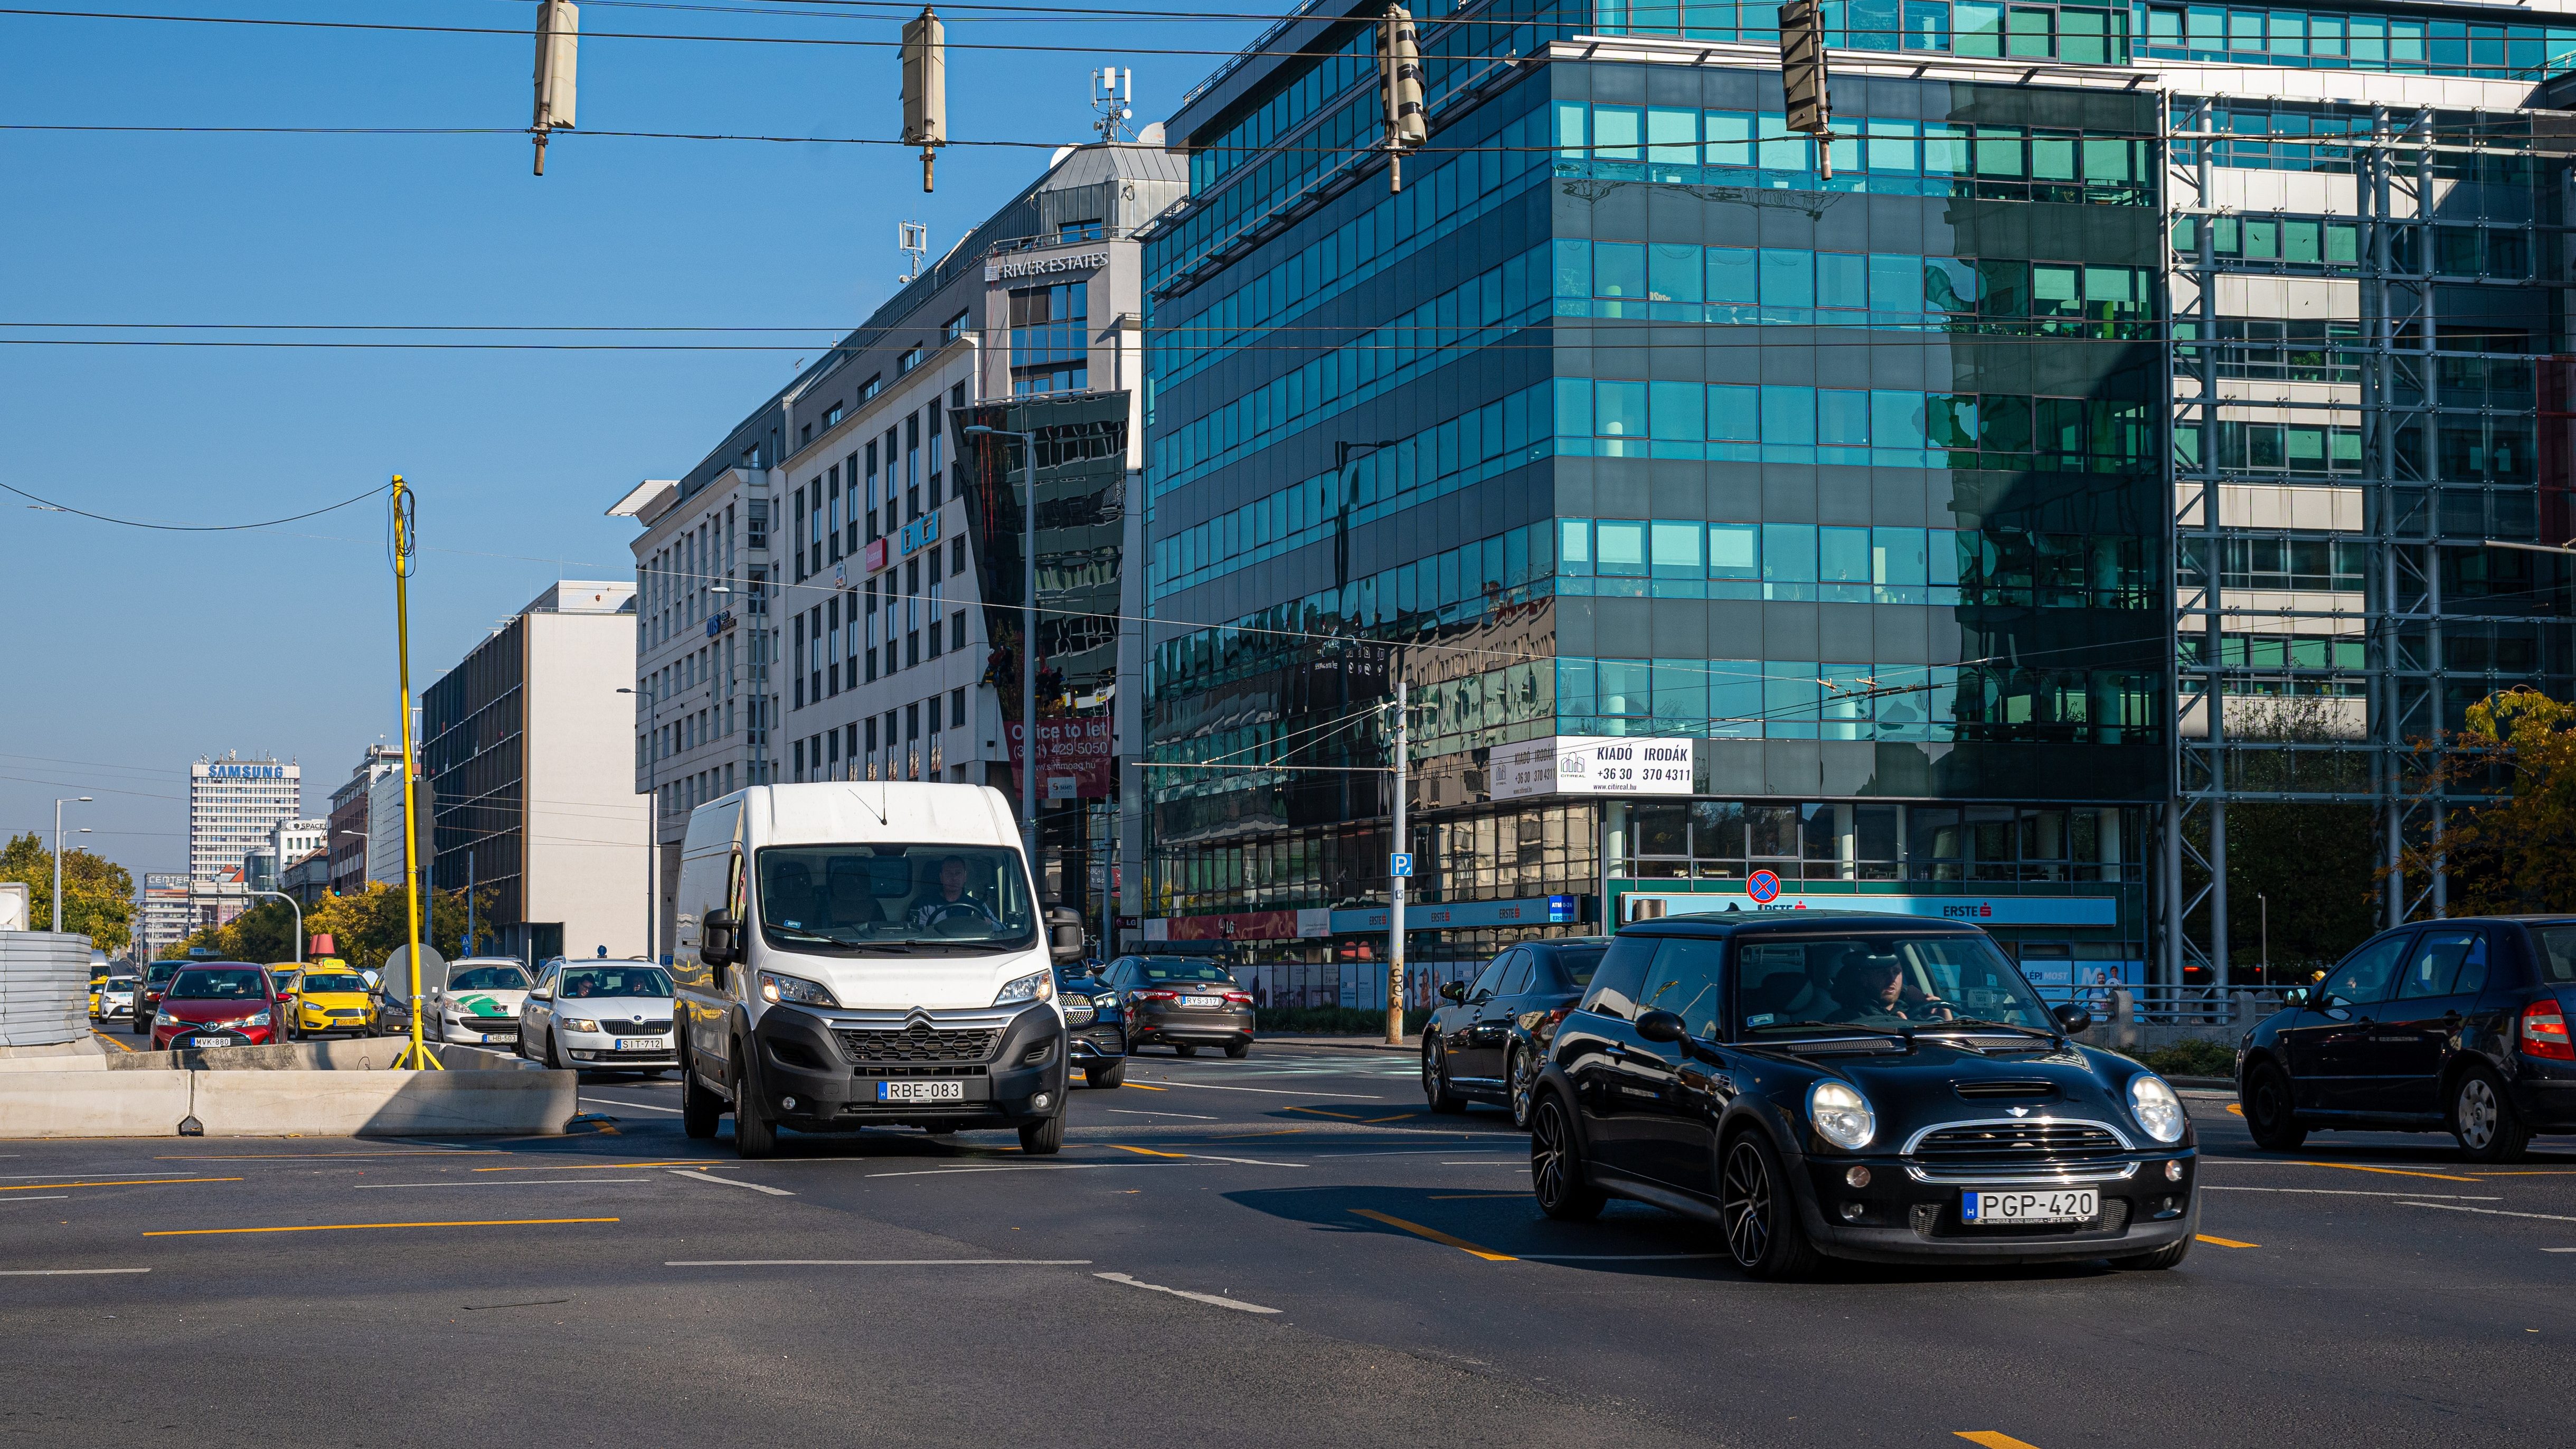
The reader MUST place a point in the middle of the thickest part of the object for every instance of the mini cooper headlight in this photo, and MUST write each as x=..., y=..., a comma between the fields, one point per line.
x=775, y=987
x=1841, y=1115
x=2156, y=1107
x=1036, y=986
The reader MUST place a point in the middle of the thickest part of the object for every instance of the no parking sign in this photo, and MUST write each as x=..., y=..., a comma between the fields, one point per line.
x=1763, y=886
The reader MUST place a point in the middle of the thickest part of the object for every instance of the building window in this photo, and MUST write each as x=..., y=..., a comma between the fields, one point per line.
x=832, y=416
x=911, y=359
x=806, y=435
x=1081, y=231
x=957, y=705
x=1050, y=338
x=953, y=328
x=871, y=387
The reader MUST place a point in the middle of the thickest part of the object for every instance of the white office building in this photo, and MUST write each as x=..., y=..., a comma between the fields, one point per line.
x=233, y=806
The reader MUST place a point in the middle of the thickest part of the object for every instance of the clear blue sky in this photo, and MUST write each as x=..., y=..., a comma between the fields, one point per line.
x=133, y=652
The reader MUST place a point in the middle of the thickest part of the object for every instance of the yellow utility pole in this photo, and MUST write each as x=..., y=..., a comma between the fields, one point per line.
x=416, y=1056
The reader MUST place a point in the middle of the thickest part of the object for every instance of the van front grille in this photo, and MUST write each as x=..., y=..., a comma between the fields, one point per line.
x=919, y=1043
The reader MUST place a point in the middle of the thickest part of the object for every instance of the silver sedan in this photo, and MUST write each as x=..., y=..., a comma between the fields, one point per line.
x=600, y=1015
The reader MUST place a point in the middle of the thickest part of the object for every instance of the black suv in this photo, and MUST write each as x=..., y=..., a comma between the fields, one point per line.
x=2455, y=1026
x=1095, y=1029
x=1487, y=1042
x=1860, y=1086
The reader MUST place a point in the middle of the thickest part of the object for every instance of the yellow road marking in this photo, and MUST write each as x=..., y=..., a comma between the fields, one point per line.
x=352, y=1227
x=1398, y=1117
x=1320, y=1112
x=2390, y=1171
x=2235, y=1110
x=2223, y=1242
x=1140, y=1086
x=120, y=1182
x=1992, y=1439
x=1146, y=1151
x=282, y=1156
x=111, y=1041
x=590, y=1166
x=1437, y=1236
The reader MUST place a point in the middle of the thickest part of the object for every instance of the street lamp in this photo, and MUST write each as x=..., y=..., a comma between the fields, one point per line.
x=652, y=816
x=57, y=913
x=1028, y=637
x=297, y=907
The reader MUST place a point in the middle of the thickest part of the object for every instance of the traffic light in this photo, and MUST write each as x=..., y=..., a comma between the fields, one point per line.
x=925, y=87
x=1407, y=123
x=558, y=43
x=1802, y=73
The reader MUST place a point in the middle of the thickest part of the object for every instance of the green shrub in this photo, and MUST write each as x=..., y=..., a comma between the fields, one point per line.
x=2189, y=1058
x=1331, y=1020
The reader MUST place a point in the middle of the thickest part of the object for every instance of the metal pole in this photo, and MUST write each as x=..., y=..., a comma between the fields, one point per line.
x=2264, y=903
x=1029, y=647
x=652, y=824
x=1395, y=883
x=469, y=902
x=54, y=916
x=297, y=907
x=415, y=1056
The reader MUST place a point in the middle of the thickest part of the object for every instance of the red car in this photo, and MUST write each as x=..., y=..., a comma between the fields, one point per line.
x=218, y=1003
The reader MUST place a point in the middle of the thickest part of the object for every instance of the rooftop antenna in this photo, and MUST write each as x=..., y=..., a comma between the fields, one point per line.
x=913, y=240
x=1112, y=89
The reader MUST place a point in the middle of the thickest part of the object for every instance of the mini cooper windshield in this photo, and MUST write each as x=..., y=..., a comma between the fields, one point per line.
x=868, y=898
x=1890, y=983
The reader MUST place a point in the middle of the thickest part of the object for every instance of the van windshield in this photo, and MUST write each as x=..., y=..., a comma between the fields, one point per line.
x=865, y=898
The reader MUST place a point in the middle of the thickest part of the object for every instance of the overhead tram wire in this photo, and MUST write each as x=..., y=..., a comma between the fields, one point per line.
x=51, y=506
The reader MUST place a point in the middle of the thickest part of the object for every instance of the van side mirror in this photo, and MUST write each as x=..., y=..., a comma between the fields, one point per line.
x=1064, y=933
x=2073, y=1019
x=716, y=938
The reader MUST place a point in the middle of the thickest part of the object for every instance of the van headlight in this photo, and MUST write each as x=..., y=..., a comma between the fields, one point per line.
x=1841, y=1115
x=1036, y=986
x=775, y=987
x=2156, y=1107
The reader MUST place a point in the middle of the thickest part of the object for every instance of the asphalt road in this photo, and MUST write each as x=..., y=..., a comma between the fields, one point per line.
x=1282, y=1250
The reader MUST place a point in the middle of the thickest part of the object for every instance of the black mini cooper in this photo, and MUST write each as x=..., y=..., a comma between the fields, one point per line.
x=1856, y=1086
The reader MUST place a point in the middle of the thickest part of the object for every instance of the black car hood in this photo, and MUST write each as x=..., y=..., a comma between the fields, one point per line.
x=1946, y=1081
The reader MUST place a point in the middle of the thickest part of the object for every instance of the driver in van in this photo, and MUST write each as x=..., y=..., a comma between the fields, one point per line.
x=949, y=900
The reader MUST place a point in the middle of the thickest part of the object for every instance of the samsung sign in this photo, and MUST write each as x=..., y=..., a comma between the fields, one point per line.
x=1002, y=271
x=246, y=772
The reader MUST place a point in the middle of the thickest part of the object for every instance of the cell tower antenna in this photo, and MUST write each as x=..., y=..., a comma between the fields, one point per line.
x=913, y=240
x=1113, y=93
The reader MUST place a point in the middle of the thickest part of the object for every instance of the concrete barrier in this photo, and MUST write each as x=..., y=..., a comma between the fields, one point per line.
x=286, y=1103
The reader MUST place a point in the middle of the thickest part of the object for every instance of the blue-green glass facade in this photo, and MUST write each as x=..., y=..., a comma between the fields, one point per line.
x=1622, y=419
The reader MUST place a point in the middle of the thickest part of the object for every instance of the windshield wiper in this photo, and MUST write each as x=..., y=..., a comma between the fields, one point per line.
x=1901, y=1035
x=1988, y=1021
x=807, y=935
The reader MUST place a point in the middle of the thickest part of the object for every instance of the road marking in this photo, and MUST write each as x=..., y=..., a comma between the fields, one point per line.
x=49, y=1197
x=1435, y=1235
x=1132, y=1112
x=2552, y=1172
x=702, y=1176
x=121, y=1182
x=598, y=1166
x=23, y=1176
x=1506, y=1162
x=1478, y=1196
x=534, y=1182
x=2222, y=1242
x=120, y=1046
x=1257, y=1136
x=2450, y=1207
x=1267, y=1091
x=2558, y=1250
x=1203, y=1156
x=879, y=1263
x=1992, y=1439
x=65, y=1272
x=2233, y=1110
x=1140, y=1086
x=352, y=1227
x=1373, y=1121
x=1146, y=1151
x=286, y=1156
x=2391, y=1171
x=1027, y=1167
x=1320, y=1112
x=639, y=1106
x=2348, y=1192
x=1617, y=1257
x=1236, y=1304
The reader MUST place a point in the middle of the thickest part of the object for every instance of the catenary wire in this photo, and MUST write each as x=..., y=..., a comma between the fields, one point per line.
x=49, y=504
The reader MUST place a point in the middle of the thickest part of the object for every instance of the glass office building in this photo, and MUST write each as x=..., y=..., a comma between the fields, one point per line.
x=1754, y=528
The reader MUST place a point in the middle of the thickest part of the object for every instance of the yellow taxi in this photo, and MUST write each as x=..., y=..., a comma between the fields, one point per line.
x=328, y=997
x=97, y=984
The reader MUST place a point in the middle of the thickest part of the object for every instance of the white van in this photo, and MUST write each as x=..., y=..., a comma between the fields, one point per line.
x=866, y=954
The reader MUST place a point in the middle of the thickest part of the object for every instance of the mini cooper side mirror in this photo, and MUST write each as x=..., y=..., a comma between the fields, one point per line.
x=2072, y=1019
x=2298, y=998
x=1662, y=1026
x=1453, y=991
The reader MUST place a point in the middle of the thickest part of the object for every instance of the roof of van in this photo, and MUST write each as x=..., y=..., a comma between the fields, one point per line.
x=903, y=812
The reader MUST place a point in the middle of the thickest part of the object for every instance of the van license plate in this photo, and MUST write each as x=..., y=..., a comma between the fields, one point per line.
x=1996, y=1209
x=921, y=1091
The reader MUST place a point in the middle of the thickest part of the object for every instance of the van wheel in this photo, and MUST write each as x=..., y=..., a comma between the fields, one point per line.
x=754, y=1135
x=699, y=1107
x=1043, y=1139
x=1108, y=1076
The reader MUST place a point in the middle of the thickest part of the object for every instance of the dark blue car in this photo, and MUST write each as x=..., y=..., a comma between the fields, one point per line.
x=1095, y=1029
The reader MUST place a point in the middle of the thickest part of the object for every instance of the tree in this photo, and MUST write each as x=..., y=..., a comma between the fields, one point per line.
x=2517, y=851
x=98, y=894
x=366, y=927
x=2309, y=862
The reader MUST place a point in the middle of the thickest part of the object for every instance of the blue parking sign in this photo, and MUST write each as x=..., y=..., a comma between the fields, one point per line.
x=1400, y=864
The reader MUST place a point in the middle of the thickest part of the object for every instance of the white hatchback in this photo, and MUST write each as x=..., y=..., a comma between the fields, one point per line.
x=600, y=1015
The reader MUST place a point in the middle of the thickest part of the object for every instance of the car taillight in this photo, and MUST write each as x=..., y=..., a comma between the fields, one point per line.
x=2544, y=1032
x=1157, y=996
x=1240, y=997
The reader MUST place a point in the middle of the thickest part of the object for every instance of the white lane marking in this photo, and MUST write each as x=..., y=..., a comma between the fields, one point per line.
x=2449, y=1207
x=1236, y=1304
x=1246, y=1161
x=2349, y=1192
x=1193, y=1116
x=1267, y=1091
x=65, y=1272
x=1506, y=1162
x=1028, y=1167
x=694, y=1175
x=1617, y=1257
x=638, y=1106
x=513, y=1182
x=880, y=1263
x=2558, y=1250
x=48, y=1197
